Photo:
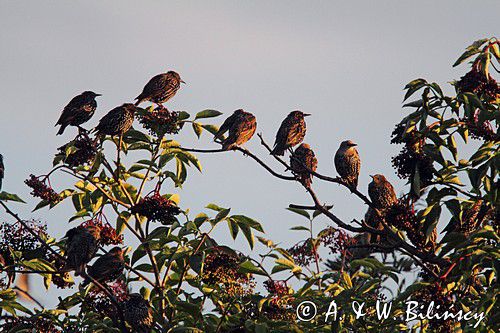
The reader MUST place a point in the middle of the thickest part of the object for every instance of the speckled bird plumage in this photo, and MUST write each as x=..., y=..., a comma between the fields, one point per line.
x=160, y=88
x=348, y=163
x=78, y=111
x=241, y=126
x=381, y=192
x=117, y=121
x=81, y=246
x=138, y=313
x=302, y=160
x=291, y=132
x=108, y=267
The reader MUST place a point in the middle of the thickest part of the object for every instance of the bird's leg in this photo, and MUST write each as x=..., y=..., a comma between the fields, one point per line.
x=290, y=149
x=82, y=131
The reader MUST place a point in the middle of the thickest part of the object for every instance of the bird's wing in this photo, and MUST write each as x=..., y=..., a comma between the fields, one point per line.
x=155, y=85
x=100, y=267
x=226, y=125
x=69, y=110
x=282, y=135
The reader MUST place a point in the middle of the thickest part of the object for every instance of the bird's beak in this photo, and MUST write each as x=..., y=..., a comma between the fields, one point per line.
x=354, y=144
x=307, y=114
x=182, y=81
x=98, y=94
x=372, y=176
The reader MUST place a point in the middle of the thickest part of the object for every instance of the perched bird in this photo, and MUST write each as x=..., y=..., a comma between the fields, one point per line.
x=2, y=171
x=241, y=126
x=160, y=88
x=347, y=163
x=381, y=192
x=81, y=246
x=117, y=121
x=373, y=219
x=138, y=313
x=302, y=160
x=291, y=132
x=78, y=111
x=107, y=267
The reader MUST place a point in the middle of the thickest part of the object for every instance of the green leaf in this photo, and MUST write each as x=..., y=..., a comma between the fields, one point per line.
x=213, y=206
x=247, y=232
x=207, y=114
x=211, y=128
x=249, y=267
x=299, y=228
x=221, y=215
x=470, y=51
x=4, y=196
x=300, y=212
x=431, y=220
x=247, y=221
x=198, y=129
x=233, y=228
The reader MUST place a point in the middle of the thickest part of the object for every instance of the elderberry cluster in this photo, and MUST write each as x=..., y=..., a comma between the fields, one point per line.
x=160, y=121
x=86, y=150
x=108, y=234
x=157, y=208
x=41, y=190
x=222, y=267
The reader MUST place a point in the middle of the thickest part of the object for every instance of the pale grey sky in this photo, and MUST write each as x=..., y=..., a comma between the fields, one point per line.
x=345, y=62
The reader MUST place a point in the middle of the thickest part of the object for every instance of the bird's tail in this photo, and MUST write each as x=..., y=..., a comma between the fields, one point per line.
x=352, y=181
x=139, y=100
x=227, y=145
x=61, y=130
x=278, y=151
x=85, y=282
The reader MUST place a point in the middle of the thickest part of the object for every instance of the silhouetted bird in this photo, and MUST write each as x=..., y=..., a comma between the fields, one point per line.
x=373, y=219
x=117, y=121
x=2, y=171
x=347, y=163
x=138, y=313
x=107, y=267
x=302, y=160
x=81, y=247
x=381, y=192
x=160, y=88
x=291, y=132
x=241, y=126
x=78, y=111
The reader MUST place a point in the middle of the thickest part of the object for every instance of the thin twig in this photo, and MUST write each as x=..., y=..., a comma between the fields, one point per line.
x=27, y=294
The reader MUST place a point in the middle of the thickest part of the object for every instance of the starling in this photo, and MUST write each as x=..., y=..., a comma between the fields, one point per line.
x=2, y=171
x=81, y=246
x=347, y=163
x=107, y=267
x=381, y=192
x=78, y=111
x=291, y=132
x=241, y=126
x=160, y=88
x=373, y=220
x=117, y=121
x=138, y=313
x=302, y=160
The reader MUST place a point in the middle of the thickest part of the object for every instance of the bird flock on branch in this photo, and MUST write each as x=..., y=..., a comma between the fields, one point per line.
x=82, y=242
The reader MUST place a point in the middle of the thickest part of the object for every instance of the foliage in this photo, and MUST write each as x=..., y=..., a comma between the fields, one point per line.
x=445, y=227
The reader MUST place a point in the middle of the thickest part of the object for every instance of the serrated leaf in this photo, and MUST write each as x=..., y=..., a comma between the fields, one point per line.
x=4, y=196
